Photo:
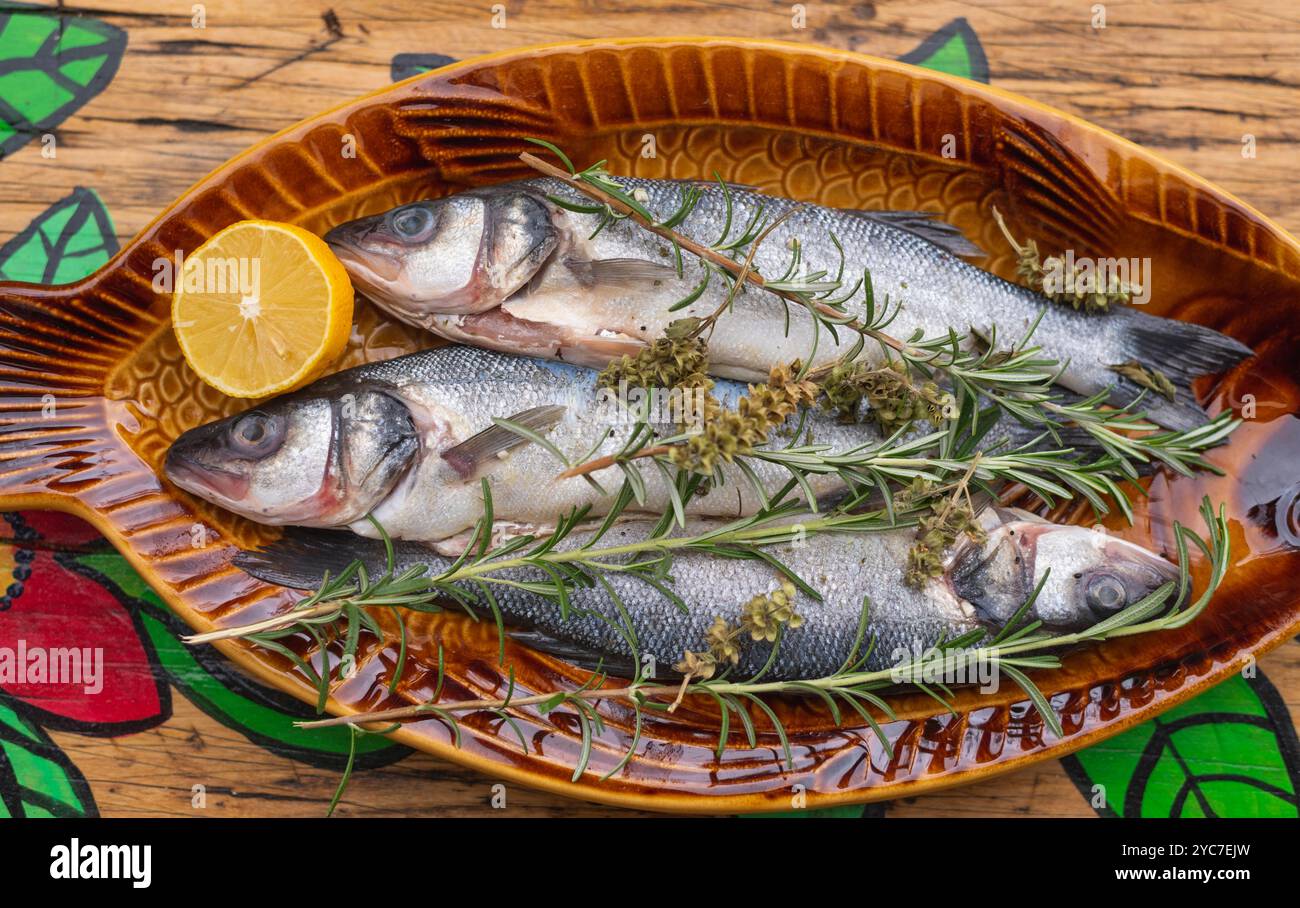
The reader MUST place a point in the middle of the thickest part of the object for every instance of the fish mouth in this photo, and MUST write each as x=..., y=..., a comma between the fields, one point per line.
x=202, y=480
x=369, y=259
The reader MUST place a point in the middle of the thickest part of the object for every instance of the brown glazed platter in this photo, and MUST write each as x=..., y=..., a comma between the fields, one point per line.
x=93, y=386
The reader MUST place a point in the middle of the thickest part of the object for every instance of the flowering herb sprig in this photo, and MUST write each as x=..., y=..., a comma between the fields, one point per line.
x=1070, y=286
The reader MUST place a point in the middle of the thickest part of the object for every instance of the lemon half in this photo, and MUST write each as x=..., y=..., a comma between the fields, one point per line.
x=261, y=308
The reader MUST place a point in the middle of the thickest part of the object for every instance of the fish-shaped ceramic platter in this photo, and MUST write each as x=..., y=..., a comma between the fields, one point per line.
x=93, y=387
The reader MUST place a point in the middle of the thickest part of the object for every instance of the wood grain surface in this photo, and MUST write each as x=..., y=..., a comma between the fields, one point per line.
x=1190, y=80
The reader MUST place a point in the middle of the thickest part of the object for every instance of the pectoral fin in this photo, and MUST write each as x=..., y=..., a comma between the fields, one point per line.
x=476, y=454
x=624, y=274
x=302, y=557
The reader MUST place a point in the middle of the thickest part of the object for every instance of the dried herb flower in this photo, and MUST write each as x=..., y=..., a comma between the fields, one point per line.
x=950, y=517
x=669, y=362
x=1151, y=379
x=729, y=433
x=1063, y=281
x=723, y=642
x=765, y=615
x=701, y=666
x=893, y=398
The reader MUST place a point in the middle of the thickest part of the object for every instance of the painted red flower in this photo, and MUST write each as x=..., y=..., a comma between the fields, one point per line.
x=72, y=656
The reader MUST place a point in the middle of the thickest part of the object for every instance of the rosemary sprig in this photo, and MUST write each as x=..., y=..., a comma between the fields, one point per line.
x=563, y=570
x=812, y=292
x=352, y=591
x=616, y=203
x=878, y=468
x=964, y=358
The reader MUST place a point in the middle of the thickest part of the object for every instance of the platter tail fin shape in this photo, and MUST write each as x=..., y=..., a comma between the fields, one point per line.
x=60, y=445
x=1055, y=195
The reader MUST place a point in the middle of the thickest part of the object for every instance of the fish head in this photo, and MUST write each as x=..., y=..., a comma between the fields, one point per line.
x=307, y=459
x=1090, y=575
x=463, y=254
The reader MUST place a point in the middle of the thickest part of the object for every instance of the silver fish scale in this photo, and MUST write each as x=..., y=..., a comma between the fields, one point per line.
x=842, y=568
x=936, y=289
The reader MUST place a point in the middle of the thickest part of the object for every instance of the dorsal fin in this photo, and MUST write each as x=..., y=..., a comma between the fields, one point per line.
x=927, y=226
x=618, y=666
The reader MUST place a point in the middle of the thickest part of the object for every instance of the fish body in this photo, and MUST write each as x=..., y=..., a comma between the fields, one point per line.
x=1086, y=576
x=506, y=268
x=382, y=439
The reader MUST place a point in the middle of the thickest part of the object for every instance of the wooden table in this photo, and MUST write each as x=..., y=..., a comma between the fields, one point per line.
x=184, y=734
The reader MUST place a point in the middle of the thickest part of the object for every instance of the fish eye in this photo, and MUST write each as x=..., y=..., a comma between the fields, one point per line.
x=255, y=433
x=412, y=222
x=1105, y=594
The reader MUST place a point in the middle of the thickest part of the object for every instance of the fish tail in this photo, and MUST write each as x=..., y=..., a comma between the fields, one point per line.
x=302, y=557
x=58, y=347
x=1180, y=352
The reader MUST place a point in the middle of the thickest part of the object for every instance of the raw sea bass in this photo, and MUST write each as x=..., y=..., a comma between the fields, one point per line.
x=1092, y=576
x=504, y=267
x=408, y=439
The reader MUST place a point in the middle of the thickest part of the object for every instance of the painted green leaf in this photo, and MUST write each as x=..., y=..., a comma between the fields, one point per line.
x=1230, y=752
x=36, y=777
x=50, y=64
x=66, y=242
x=953, y=49
x=211, y=683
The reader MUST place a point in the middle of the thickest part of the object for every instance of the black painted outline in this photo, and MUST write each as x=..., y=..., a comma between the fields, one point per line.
x=87, y=204
x=959, y=27
x=14, y=794
x=113, y=46
x=97, y=729
x=404, y=66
